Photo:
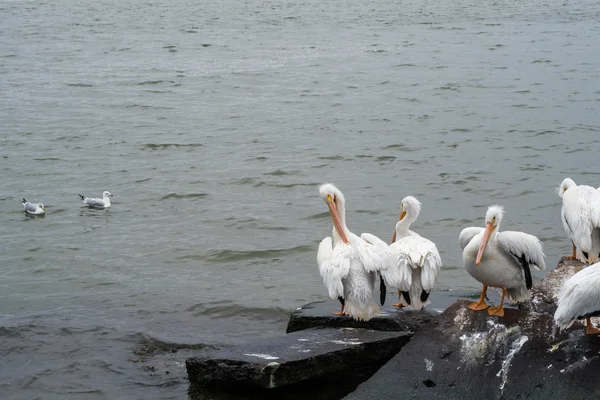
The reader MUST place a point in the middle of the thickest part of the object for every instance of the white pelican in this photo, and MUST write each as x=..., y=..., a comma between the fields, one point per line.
x=580, y=216
x=32, y=208
x=500, y=259
x=417, y=260
x=104, y=202
x=349, y=264
x=579, y=298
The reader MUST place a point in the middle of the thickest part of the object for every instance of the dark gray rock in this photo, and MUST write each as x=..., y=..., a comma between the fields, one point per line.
x=320, y=314
x=463, y=354
x=308, y=358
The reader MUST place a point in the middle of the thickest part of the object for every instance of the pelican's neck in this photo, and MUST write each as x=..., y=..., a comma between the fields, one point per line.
x=403, y=225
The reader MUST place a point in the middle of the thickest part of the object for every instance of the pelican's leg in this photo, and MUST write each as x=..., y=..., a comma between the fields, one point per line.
x=590, y=329
x=343, y=302
x=399, y=305
x=480, y=305
x=498, y=310
x=574, y=255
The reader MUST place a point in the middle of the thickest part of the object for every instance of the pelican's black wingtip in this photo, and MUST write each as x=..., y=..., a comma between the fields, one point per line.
x=82, y=197
x=24, y=201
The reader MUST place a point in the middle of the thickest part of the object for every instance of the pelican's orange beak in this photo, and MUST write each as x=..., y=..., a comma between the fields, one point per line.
x=489, y=228
x=402, y=215
x=335, y=217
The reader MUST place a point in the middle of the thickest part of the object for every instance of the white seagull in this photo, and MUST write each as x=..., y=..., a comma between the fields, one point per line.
x=104, y=202
x=33, y=208
x=580, y=216
x=579, y=298
x=417, y=260
x=349, y=264
x=500, y=259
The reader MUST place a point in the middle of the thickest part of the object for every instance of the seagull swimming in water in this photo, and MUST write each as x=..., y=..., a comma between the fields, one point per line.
x=104, y=202
x=33, y=208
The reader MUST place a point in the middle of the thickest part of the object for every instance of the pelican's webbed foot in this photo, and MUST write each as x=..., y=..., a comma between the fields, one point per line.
x=498, y=311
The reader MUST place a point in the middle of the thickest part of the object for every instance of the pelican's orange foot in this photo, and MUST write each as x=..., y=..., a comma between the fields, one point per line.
x=498, y=311
x=399, y=305
x=591, y=330
x=478, y=305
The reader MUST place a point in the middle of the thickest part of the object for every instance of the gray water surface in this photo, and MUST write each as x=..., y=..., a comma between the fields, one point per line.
x=213, y=125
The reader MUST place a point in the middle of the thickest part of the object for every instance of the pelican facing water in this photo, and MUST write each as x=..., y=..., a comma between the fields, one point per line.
x=418, y=261
x=500, y=259
x=347, y=263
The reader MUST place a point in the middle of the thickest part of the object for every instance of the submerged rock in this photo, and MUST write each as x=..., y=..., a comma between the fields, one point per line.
x=310, y=357
x=465, y=354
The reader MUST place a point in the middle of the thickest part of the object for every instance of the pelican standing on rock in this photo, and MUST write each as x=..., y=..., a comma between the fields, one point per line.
x=417, y=260
x=500, y=259
x=579, y=298
x=104, y=202
x=33, y=208
x=580, y=216
x=347, y=263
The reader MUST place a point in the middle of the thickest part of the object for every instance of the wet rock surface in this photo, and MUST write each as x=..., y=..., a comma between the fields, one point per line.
x=465, y=354
x=319, y=315
x=307, y=357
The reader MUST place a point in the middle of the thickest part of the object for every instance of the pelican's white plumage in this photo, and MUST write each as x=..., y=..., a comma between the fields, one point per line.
x=348, y=264
x=500, y=259
x=579, y=298
x=104, y=202
x=417, y=260
x=34, y=208
x=580, y=215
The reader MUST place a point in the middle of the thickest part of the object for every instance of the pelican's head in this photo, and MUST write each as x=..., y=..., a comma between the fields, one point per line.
x=410, y=206
x=335, y=201
x=106, y=194
x=493, y=217
x=566, y=183
x=41, y=205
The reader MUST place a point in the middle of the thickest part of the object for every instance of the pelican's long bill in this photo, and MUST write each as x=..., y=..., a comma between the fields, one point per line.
x=335, y=217
x=489, y=228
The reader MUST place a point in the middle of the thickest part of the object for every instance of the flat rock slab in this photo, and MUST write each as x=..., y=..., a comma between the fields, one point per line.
x=466, y=355
x=319, y=315
x=300, y=357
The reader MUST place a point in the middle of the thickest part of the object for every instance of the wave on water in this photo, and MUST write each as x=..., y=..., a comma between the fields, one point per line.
x=323, y=215
x=219, y=256
x=147, y=346
x=183, y=196
x=161, y=146
x=237, y=310
x=280, y=172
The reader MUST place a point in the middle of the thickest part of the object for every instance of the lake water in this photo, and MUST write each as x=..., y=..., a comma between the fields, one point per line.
x=213, y=125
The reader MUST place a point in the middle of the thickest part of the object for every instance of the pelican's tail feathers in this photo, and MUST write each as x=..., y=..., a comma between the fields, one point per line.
x=518, y=294
x=361, y=312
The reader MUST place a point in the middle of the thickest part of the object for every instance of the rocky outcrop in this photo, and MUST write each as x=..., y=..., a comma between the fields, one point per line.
x=298, y=360
x=464, y=354
x=319, y=315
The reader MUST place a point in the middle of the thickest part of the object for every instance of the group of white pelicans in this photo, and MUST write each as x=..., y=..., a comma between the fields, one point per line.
x=350, y=265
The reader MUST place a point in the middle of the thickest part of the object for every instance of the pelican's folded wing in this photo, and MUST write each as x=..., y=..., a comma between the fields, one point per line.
x=467, y=234
x=579, y=296
x=334, y=265
x=431, y=268
x=373, y=253
x=399, y=275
